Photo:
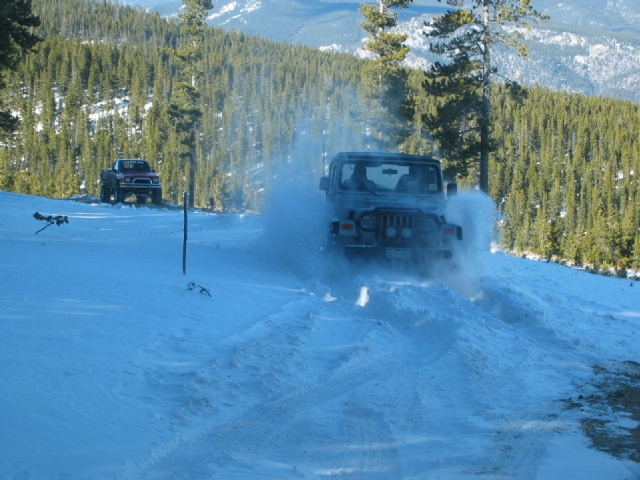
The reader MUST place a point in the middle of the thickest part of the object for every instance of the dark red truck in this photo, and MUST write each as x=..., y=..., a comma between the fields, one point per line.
x=130, y=177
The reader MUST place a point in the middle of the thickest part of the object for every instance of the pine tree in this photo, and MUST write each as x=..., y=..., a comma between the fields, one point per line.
x=16, y=38
x=387, y=47
x=468, y=36
x=384, y=76
x=635, y=253
x=184, y=109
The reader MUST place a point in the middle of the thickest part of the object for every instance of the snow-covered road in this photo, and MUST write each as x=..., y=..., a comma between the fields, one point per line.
x=110, y=367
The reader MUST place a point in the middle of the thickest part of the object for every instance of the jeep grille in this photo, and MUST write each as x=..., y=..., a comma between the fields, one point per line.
x=398, y=221
x=423, y=229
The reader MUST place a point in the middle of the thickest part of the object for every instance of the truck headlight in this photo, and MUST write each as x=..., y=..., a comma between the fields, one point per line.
x=391, y=231
x=406, y=232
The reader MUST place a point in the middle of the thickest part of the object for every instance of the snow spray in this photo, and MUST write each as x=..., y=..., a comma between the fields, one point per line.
x=476, y=213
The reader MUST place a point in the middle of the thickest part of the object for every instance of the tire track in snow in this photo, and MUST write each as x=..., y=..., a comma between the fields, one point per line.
x=518, y=445
x=259, y=426
x=431, y=321
x=496, y=356
x=251, y=432
x=521, y=437
x=372, y=450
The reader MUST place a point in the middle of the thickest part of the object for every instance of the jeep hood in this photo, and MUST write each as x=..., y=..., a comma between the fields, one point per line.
x=425, y=203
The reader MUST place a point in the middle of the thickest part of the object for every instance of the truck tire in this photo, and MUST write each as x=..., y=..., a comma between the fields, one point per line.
x=105, y=194
x=120, y=194
x=156, y=197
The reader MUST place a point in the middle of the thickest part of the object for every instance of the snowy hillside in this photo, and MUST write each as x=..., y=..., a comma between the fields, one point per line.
x=296, y=366
x=589, y=46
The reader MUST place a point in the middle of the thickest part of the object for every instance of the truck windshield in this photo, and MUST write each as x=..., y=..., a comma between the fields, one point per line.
x=381, y=177
x=134, y=166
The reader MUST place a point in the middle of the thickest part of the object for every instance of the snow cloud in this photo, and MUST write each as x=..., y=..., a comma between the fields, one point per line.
x=476, y=214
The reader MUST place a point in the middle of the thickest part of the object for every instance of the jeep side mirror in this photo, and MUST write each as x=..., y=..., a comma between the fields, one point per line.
x=324, y=184
x=452, y=189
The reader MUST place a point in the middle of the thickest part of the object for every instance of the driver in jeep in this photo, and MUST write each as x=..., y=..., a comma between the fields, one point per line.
x=359, y=180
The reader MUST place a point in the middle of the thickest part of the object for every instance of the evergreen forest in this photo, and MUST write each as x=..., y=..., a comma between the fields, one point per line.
x=98, y=87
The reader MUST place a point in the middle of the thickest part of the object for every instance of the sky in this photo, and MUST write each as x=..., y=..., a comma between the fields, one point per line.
x=285, y=363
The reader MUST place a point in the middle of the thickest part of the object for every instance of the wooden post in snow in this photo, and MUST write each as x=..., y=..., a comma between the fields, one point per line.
x=184, y=242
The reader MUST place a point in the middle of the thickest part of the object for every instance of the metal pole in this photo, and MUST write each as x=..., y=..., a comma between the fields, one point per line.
x=184, y=242
x=323, y=168
x=324, y=194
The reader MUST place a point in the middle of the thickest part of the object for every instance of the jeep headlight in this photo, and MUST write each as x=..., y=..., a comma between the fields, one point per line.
x=407, y=232
x=428, y=225
x=391, y=231
x=367, y=222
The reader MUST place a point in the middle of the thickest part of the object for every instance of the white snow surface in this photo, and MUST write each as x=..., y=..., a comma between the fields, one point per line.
x=296, y=366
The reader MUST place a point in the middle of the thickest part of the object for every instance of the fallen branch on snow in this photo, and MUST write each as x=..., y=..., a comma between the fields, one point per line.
x=192, y=285
x=58, y=220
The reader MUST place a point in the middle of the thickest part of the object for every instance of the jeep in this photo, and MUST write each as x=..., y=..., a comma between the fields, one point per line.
x=389, y=206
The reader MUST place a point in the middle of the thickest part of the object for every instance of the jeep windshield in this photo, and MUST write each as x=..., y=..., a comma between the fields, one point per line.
x=381, y=177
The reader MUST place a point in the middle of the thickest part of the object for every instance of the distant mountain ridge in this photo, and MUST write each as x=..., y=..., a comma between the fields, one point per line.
x=590, y=47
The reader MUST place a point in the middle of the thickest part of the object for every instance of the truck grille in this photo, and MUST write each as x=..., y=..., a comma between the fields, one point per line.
x=141, y=181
